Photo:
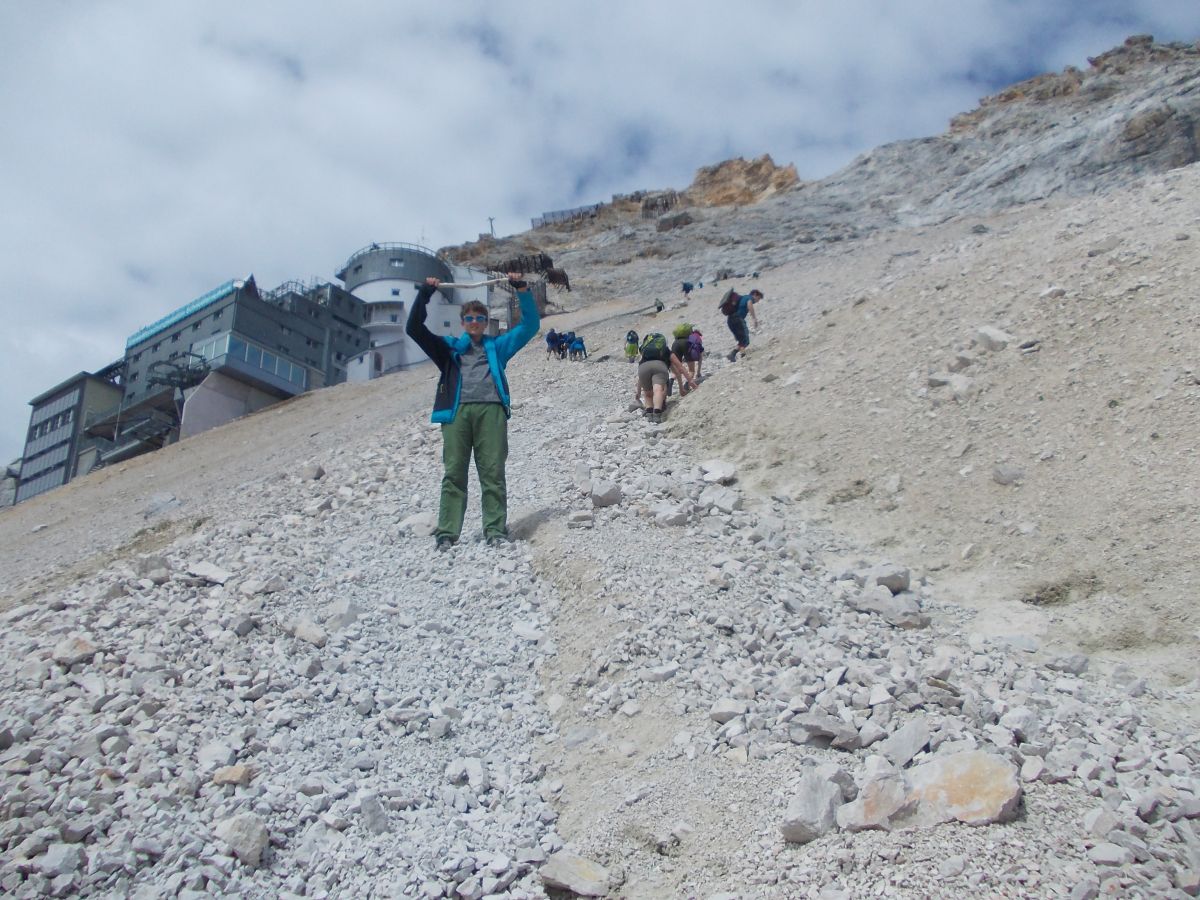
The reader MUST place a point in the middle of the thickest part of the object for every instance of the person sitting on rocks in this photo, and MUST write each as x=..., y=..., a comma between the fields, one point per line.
x=653, y=374
x=472, y=405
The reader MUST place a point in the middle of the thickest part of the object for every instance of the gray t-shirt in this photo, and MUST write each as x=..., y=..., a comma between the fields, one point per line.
x=477, y=383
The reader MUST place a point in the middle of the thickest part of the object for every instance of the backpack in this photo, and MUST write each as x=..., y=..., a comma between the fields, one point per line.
x=682, y=330
x=730, y=302
x=631, y=337
x=654, y=346
x=695, y=346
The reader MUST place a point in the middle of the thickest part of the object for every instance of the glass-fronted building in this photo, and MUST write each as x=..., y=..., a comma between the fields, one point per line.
x=274, y=344
x=57, y=448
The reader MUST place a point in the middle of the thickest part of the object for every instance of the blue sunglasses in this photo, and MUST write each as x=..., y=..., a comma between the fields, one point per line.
x=474, y=318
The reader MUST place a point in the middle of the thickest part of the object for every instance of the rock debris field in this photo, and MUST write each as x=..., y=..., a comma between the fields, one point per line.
x=657, y=690
x=757, y=651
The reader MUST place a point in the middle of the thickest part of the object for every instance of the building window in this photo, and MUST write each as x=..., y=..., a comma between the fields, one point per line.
x=395, y=318
x=133, y=377
x=395, y=292
x=195, y=326
x=175, y=338
x=357, y=269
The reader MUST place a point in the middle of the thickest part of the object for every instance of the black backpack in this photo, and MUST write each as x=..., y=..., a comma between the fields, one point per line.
x=729, y=303
x=654, y=346
x=631, y=337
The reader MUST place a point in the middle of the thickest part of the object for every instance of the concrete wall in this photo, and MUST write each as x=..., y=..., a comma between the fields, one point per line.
x=219, y=399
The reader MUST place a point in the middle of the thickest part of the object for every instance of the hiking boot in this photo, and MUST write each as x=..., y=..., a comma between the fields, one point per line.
x=732, y=355
x=443, y=543
x=498, y=540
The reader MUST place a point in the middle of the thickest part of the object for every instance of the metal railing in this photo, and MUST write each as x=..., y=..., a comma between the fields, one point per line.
x=398, y=245
x=292, y=286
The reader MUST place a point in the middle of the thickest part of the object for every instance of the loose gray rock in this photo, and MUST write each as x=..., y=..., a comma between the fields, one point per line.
x=73, y=650
x=605, y=493
x=992, y=339
x=308, y=631
x=812, y=810
x=568, y=872
x=1006, y=474
x=246, y=835
x=974, y=787
x=882, y=797
x=906, y=743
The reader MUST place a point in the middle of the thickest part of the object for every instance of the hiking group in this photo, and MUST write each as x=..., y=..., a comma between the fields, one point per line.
x=565, y=345
x=472, y=403
x=658, y=362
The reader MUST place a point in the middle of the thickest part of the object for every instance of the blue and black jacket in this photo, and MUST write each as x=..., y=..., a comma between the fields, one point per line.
x=446, y=351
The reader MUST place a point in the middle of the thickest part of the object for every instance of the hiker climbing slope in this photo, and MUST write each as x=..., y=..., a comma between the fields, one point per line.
x=658, y=362
x=735, y=307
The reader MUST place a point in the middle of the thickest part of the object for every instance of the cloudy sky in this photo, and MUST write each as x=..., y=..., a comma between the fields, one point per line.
x=152, y=150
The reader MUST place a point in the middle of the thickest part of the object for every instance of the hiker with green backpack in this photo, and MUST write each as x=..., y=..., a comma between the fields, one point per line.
x=680, y=348
x=654, y=371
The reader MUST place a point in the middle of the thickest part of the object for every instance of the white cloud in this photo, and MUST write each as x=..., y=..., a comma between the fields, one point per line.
x=155, y=150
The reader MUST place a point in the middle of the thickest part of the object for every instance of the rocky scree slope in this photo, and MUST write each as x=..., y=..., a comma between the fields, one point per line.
x=889, y=409
x=276, y=689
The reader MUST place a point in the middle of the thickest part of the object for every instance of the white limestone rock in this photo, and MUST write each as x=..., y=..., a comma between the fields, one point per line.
x=721, y=498
x=992, y=339
x=907, y=742
x=567, y=872
x=718, y=471
x=580, y=518
x=726, y=709
x=421, y=524
x=975, y=787
x=210, y=572
x=74, y=649
x=246, y=836
x=605, y=493
x=812, y=810
x=305, y=629
x=879, y=799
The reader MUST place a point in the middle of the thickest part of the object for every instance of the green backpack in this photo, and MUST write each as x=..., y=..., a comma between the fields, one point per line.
x=654, y=346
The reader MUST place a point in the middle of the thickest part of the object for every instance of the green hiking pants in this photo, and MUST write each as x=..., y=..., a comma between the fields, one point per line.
x=481, y=429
